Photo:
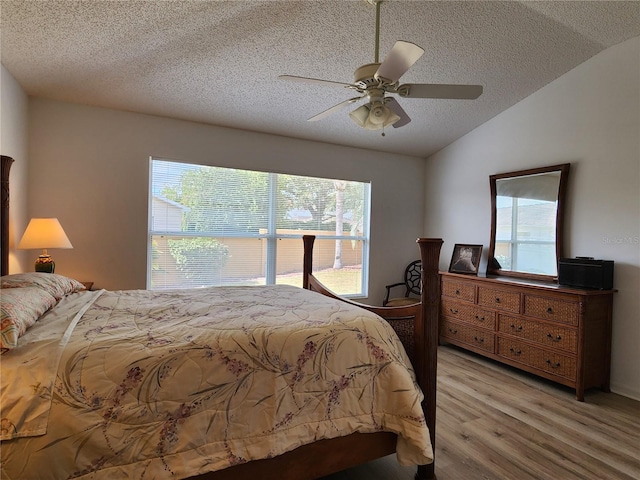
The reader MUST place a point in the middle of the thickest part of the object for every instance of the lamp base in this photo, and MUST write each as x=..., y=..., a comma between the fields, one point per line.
x=45, y=264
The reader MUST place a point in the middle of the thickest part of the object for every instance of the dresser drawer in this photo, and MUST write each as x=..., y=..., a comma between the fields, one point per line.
x=476, y=337
x=499, y=299
x=468, y=313
x=459, y=290
x=551, y=309
x=548, y=335
x=556, y=364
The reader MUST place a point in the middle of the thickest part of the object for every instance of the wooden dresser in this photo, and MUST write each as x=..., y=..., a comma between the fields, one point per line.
x=559, y=333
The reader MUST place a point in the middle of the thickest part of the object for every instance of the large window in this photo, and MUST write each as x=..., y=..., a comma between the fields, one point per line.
x=221, y=226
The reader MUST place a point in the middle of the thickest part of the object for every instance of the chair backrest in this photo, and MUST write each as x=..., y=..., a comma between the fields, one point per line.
x=413, y=277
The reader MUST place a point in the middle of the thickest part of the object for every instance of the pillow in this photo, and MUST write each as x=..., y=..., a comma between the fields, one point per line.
x=20, y=308
x=56, y=285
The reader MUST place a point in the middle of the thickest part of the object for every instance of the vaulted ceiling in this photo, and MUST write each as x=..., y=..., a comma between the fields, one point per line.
x=218, y=62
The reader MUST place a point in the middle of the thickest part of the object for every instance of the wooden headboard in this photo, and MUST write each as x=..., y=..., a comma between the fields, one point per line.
x=4, y=214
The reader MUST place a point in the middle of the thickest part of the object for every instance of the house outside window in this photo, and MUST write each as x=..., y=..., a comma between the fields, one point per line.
x=213, y=226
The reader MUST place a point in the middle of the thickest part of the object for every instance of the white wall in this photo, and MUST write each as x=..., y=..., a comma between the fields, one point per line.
x=13, y=143
x=589, y=117
x=90, y=169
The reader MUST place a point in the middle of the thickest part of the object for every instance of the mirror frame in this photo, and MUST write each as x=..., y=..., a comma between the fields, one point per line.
x=492, y=265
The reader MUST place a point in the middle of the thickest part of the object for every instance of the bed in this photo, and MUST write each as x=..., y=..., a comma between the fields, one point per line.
x=269, y=382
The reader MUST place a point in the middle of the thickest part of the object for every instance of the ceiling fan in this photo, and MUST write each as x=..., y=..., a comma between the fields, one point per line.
x=375, y=81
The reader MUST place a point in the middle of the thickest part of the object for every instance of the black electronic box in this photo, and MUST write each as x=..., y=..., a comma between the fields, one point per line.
x=586, y=272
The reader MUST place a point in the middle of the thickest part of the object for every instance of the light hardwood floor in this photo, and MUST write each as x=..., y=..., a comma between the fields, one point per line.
x=495, y=423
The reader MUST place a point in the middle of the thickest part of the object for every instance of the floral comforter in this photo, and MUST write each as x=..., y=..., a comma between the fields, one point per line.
x=172, y=384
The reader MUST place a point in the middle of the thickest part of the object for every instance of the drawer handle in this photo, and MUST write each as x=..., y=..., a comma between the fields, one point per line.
x=480, y=340
x=553, y=365
x=549, y=310
x=454, y=311
x=479, y=318
x=515, y=352
x=557, y=338
x=451, y=330
x=518, y=328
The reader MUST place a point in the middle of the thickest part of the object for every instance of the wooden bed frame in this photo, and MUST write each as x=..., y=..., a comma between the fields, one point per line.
x=417, y=327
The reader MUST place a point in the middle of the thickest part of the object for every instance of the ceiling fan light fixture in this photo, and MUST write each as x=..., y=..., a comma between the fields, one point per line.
x=374, y=116
x=360, y=115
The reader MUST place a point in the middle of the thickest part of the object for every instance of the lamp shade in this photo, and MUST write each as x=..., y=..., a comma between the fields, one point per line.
x=374, y=116
x=44, y=233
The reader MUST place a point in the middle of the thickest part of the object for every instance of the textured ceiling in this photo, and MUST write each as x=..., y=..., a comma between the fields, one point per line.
x=217, y=62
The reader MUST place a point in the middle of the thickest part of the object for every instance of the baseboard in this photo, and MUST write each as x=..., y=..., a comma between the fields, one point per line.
x=626, y=392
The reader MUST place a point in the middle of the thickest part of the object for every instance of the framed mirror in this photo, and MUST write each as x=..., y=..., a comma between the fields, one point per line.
x=527, y=212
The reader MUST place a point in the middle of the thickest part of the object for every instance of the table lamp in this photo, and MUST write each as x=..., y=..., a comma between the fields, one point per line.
x=44, y=233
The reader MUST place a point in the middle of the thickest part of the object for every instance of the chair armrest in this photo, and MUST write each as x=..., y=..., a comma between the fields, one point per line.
x=389, y=287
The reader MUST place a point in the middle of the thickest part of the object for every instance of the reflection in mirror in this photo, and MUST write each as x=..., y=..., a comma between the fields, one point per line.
x=526, y=236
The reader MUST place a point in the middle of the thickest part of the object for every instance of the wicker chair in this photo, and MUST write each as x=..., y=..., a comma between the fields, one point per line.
x=412, y=286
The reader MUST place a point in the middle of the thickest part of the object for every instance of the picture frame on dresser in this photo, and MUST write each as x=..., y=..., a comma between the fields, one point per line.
x=465, y=259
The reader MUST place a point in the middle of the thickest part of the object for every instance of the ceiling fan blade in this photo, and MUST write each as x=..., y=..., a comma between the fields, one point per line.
x=317, y=81
x=333, y=109
x=428, y=90
x=398, y=61
x=395, y=107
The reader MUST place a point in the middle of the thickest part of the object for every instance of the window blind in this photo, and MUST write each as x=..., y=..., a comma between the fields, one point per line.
x=213, y=226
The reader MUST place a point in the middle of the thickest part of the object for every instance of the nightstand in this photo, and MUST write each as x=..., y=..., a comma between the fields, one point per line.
x=87, y=285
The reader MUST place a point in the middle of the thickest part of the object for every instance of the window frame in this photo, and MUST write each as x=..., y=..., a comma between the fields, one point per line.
x=271, y=236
